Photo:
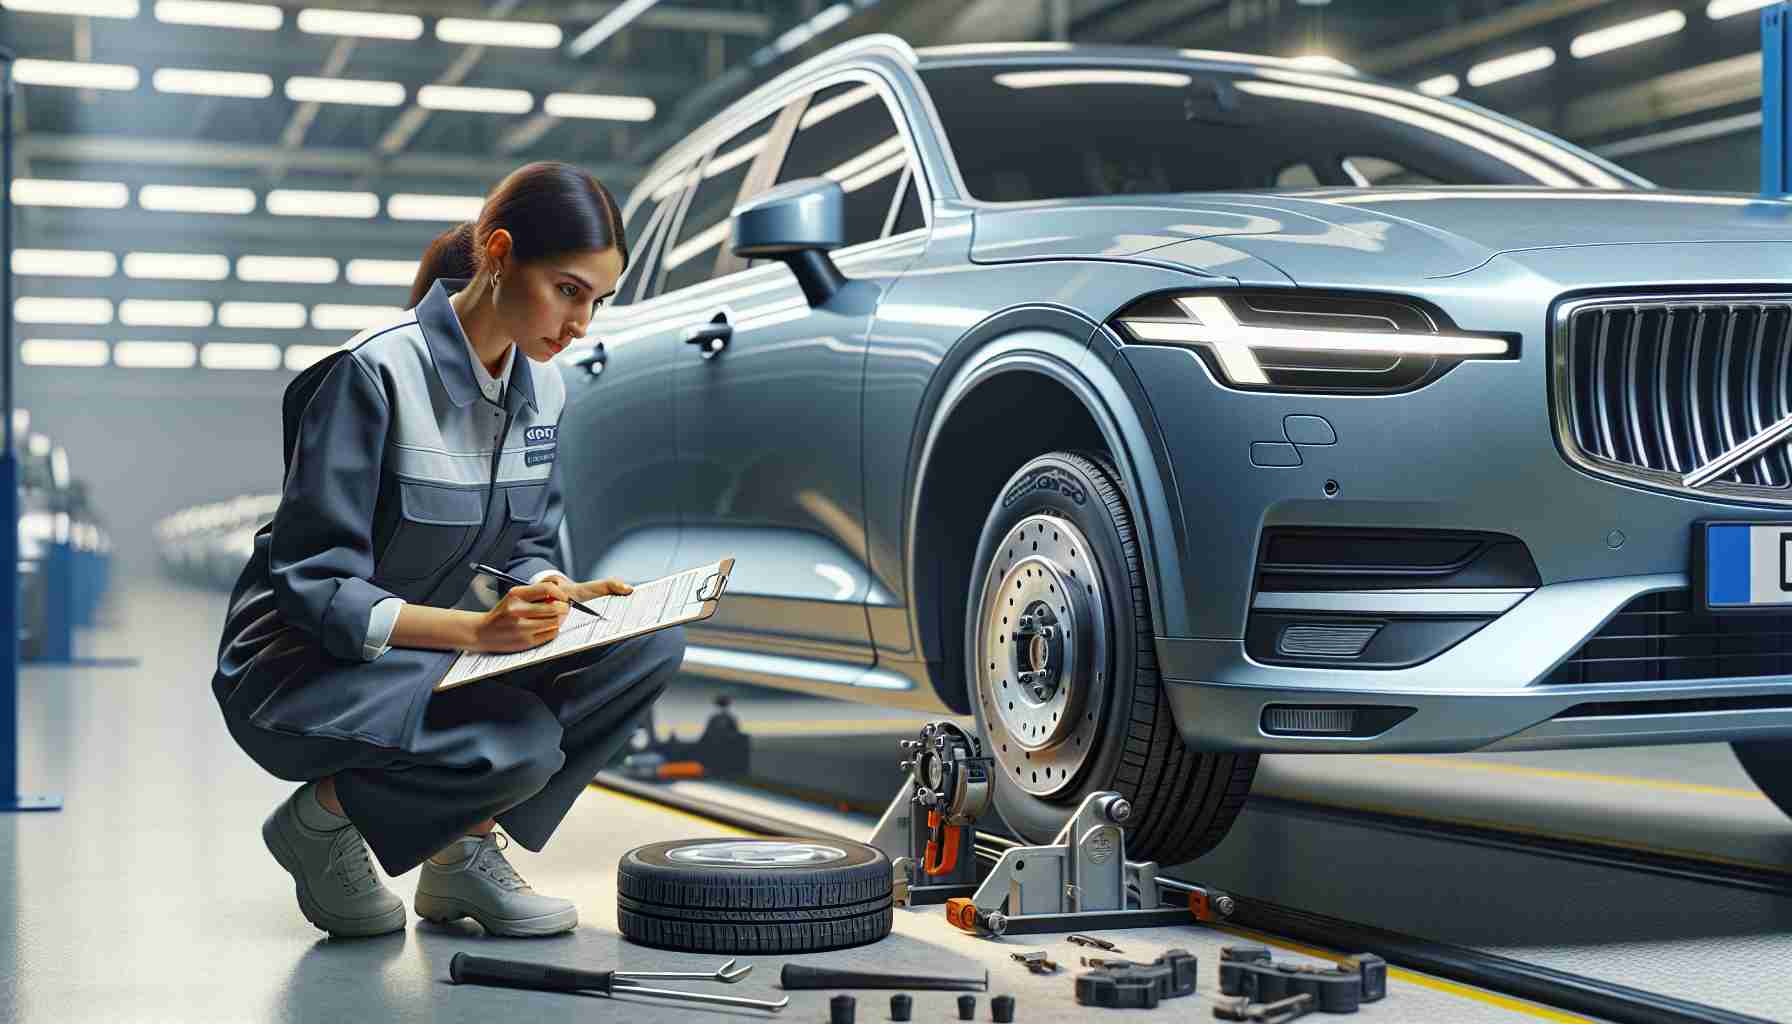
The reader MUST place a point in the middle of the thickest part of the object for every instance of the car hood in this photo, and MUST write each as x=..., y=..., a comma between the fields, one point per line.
x=1356, y=236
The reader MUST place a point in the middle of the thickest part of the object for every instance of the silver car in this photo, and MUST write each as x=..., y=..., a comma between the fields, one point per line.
x=1161, y=408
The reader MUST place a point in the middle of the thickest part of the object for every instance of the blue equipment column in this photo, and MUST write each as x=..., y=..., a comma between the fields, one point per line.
x=10, y=797
x=1776, y=140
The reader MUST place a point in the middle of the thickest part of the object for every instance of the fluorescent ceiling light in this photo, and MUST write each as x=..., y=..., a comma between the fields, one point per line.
x=485, y=101
x=64, y=262
x=40, y=445
x=179, y=266
x=62, y=352
x=598, y=107
x=104, y=195
x=1320, y=62
x=87, y=8
x=828, y=108
x=154, y=355
x=1090, y=76
x=1628, y=33
x=325, y=22
x=1561, y=155
x=274, y=316
x=195, y=199
x=217, y=14
x=1717, y=10
x=407, y=206
x=1544, y=173
x=382, y=272
x=955, y=49
x=249, y=84
x=334, y=317
x=702, y=241
x=300, y=356
x=537, y=35
x=1511, y=66
x=1440, y=85
x=286, y=269
x=165, y=313
x=607, y=26
x=74, y=74
x=303, y=203
x=48, y=310
x=721, y=163
x=808, y=30
x=224, y=355
x=302, y=89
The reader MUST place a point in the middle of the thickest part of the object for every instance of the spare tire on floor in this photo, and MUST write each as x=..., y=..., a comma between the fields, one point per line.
x=753, y=896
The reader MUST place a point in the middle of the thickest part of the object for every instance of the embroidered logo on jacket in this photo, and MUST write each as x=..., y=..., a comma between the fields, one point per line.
x=539, y=456
x=540, y=435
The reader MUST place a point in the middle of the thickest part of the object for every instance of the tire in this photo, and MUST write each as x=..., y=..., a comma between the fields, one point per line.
x=1769, y=764
x=753, y=896
x=1118, y=734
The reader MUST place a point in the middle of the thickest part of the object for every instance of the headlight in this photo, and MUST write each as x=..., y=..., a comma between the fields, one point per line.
x=1288, y=341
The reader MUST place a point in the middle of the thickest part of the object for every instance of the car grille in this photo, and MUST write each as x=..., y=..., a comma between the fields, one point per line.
x=1660, y=636
x=1651, y=388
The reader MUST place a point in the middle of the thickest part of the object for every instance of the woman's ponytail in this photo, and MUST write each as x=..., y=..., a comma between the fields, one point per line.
x=449, y=256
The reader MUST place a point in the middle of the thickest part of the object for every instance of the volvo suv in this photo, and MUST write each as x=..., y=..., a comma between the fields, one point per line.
x=1161, y=408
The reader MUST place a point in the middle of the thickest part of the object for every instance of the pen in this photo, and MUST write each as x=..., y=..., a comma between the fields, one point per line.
x=501, y=574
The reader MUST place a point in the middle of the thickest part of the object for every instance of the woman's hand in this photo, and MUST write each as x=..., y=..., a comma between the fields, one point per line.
x=600, y=588
x=524, y=617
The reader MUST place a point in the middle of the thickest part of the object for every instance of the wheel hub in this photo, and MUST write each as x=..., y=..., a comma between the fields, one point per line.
x=1042, y=633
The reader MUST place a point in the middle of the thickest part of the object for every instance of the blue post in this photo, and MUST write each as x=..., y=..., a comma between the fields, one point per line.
x=1776, y=140
x=10, y=797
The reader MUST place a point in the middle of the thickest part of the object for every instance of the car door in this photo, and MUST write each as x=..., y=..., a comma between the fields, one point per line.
x=618, y=471
x=769, y=424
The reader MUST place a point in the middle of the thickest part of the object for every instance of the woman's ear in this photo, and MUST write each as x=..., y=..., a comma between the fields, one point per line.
x=497, y=248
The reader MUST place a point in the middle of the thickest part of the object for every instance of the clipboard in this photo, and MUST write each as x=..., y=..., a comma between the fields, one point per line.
x=689, y=595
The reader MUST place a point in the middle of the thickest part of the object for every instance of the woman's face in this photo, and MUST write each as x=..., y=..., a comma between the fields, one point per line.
x=545, y=306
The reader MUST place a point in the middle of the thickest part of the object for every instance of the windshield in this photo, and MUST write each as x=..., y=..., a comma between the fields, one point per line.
x=1052, y=131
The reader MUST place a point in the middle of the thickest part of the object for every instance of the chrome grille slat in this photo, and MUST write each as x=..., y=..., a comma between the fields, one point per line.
x=1652, y=388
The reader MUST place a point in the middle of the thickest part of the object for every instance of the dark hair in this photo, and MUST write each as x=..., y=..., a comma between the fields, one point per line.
x=548, y=207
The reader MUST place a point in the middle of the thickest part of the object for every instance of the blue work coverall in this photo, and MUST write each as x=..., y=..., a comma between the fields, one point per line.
x=400, y=474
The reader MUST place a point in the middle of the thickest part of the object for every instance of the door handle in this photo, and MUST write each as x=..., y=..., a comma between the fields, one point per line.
x=594, y=360
x=711, y=338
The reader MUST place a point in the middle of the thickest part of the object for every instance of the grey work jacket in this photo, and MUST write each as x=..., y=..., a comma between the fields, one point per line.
x=401, y=473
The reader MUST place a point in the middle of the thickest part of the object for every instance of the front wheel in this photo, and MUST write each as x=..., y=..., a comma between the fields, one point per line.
x=1063, y=670
x=1769, y=764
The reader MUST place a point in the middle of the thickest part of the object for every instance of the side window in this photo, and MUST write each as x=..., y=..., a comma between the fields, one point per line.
x=846, y=134
x=908, y=215
x=693, y=256
x=1367, y=171
x=642, y=229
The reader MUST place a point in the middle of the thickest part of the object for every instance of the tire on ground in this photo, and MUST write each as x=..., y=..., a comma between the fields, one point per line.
x=1183, y=801
x=753, y=896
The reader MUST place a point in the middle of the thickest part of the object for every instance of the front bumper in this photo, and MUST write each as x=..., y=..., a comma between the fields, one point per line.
x=1475, y=450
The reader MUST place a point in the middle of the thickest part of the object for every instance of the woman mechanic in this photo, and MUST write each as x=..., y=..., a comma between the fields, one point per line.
x=418, y=448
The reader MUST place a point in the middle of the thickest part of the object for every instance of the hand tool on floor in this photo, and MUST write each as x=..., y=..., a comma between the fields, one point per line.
x=1093, y=943
x=466, y=969
x=1119, y=984
x=1250, y=972
x=929, y=831
x=727, y=974
x=1037, y=962
x=1277, y=1012
x=802, y=976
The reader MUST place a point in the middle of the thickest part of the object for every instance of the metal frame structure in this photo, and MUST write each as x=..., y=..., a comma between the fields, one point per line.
x=1776, y=23
x=10, y=797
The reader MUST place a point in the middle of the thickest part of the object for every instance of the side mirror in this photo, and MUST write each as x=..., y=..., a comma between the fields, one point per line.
x=796, y=222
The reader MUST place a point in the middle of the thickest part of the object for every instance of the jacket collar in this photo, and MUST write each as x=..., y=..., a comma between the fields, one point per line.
x=449, y=349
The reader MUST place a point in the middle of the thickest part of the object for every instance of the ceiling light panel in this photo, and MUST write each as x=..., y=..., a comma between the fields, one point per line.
x=43, y=309
x=216, y=14
x=176, y=266
x=196, y=199
x=475, y=32
x=103, y=195
x=368, y=25
x=1440, y=85
x=154, y=355
x=267, y=316
x=598, y=107
x=483, y=101
x=197, y=82
x=75, y=74
x=64, y=262
x=165, y=313
x=361, y=92
x=87, y=8
x=336, y=317
x=62, y=352
x=304, y=203
x=382, y=272
x=226, y=355
x=410, y=206
x=1628, y=33
x=1511, y=66
x=287, y=269
x=300, y=356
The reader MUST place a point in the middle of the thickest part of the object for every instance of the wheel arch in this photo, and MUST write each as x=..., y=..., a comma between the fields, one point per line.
x=1018, y=357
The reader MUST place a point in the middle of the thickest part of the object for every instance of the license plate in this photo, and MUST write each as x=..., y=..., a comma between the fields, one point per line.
x=1743, y=566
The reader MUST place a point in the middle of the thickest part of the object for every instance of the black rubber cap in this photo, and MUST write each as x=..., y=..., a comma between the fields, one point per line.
x=1001, y=1009
x=901, y=1004
x=841, y=1009
x=967, y=1007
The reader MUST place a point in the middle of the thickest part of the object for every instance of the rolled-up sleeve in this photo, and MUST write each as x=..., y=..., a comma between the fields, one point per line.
x=320, y=553
x=380, y=624
x=537, y=549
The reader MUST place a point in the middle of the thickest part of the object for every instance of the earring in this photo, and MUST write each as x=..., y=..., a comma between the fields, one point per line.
x=495, y=276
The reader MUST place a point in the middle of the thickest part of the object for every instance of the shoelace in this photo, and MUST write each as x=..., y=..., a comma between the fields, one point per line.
x=350, y=862
x=490, y=860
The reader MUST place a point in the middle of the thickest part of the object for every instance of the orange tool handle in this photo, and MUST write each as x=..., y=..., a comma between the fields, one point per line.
x=941, y=854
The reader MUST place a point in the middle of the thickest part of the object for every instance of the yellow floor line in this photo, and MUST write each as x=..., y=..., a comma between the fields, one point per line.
x=1423, y=980
x=825, y=727
x=1501, y=826
x=1557, y=773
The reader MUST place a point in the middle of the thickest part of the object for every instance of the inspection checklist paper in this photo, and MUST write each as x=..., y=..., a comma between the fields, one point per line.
x=668, y=601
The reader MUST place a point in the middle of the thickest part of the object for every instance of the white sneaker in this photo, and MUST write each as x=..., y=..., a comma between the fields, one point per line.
x=333, y=873
x=484, y=887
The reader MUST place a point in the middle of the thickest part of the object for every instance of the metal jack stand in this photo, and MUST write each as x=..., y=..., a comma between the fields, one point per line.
x=10, y=797
x=929, y=831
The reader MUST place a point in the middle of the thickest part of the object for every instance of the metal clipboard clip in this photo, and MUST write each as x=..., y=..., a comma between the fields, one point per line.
x=721, y=585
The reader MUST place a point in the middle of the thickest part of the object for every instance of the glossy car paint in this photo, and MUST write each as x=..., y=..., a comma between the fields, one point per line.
x=804, y=449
